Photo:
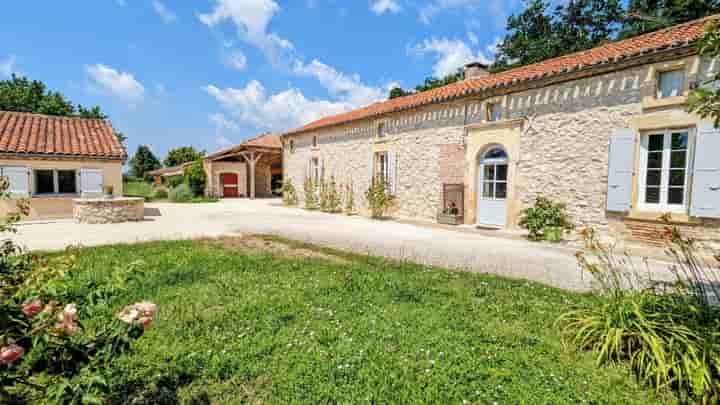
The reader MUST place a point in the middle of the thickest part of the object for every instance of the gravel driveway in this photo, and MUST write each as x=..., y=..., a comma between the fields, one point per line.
x=424, y=244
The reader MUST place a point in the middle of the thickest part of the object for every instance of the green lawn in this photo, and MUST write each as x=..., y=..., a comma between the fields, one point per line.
x=261, y=320
x=138, y=189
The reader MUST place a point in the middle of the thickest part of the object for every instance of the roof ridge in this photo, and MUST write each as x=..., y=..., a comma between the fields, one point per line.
x=621, y=49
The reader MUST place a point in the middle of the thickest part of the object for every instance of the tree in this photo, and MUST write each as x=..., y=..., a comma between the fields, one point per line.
x=143, y=162
x=429, y=84
x=196, y=178
x=585, y=24
x=649, y=15
x=530, y=39
x=705, y=101
x=31, y=96
x=182, y=155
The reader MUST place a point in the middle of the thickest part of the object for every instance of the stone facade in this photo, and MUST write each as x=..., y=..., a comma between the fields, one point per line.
x=564, y=135
x=108, y=211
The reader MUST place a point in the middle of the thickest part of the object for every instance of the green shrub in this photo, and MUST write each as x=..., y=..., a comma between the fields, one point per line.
x=196, y=178
x=378, y=198
x=175, y=181
x=160, y=193
x=330, y=200
x=545, y=214
x=289, y=195
x=666, y=331
x=311, y=197
x=181, y=194
x=349, y=199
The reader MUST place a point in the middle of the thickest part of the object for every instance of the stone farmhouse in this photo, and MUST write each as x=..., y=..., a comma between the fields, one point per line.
x=604, y=130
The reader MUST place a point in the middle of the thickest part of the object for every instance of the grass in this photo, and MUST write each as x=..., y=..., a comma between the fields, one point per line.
x=147, y=191
x=263, y=320
x=138, y=189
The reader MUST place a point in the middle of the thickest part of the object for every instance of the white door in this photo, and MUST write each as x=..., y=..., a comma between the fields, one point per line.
x=493, y=188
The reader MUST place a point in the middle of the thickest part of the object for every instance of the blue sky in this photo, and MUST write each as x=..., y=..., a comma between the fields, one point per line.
x=210, y=73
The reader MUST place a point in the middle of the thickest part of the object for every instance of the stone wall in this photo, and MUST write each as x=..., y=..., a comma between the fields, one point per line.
x=108, y=211
x=563, y=145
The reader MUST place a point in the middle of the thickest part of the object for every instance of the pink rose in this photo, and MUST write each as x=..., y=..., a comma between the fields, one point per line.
x=32, y=308
x=146, y=322
x=11, y=354
x=67, y=319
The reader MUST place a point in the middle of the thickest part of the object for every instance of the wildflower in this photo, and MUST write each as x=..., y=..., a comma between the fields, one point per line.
x=10, y=354
x=49, y=307
x=32, y=308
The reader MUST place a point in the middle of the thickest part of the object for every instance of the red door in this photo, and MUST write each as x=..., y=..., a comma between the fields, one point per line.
x=229, y=183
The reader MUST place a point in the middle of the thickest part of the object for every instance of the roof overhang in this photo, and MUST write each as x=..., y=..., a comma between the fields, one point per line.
x=47, y=156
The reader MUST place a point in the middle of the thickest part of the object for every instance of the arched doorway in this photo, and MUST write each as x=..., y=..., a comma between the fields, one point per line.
x=229, y=184
x=492, y=189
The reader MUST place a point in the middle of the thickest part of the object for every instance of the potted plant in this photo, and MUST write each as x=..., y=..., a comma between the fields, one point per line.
x=450, y=215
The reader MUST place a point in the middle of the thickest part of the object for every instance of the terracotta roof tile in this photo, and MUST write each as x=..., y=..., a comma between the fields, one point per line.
x=24, y=133
x=677, y=36
x=262, y=141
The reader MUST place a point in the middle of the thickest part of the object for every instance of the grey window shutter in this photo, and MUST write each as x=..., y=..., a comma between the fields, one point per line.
x=19, y=181
x=705, y=197
x=620, y=170
x=308, y=174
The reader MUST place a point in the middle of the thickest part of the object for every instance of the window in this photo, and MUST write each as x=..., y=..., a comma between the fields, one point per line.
x=292, y=145
x=55, y=182
x=382, y=166
x=315, y=141
x=495, y=174
x=381, y=130
x=670, y=83
x=494, y=112
x=665, y=164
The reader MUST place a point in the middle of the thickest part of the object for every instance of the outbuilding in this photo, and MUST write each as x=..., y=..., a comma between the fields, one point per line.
x=53, y=160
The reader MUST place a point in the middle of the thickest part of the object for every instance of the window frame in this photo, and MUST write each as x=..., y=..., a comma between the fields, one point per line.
x=658, y=83
x=663, y=206
x=56, y=182
x=382, y=166
x=381, y=134
x=489, y=109
x=315, y=175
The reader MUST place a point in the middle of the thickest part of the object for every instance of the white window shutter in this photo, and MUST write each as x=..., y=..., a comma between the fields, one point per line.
x=91, y=182
x=19, y=181
x=392, y=172
x=620, y=170
x=705, y=197
x=322, y=170
x=308, y=174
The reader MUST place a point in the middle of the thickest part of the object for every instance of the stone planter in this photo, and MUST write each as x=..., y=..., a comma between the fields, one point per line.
x=449, y=219
x=108, y=211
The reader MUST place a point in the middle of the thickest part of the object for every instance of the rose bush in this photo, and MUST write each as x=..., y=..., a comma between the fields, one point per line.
x=46, y=353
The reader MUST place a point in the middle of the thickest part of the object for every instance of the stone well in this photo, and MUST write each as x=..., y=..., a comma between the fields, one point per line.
x=108, y=210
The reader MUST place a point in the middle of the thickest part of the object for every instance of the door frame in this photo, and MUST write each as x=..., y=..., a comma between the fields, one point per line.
x=222, y=184
x=480, y=163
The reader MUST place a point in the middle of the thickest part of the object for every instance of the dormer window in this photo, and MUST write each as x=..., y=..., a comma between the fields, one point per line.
x=494, y=112
x=670, y=83
x=381, y=130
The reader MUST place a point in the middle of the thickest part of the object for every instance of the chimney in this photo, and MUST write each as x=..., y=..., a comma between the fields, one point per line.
x=475, y=70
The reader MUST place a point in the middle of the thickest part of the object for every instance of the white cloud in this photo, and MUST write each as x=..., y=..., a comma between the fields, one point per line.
x=380, y=7
x=499, y=9
x=222, y=142
x=449, y=54
x=473, y=38
x=251, y=19
x=7, y=66
x=348, y=89
x=114, y=83
x=286, y=109
x=221, y=122
x=237, y=60
x=166, y=15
